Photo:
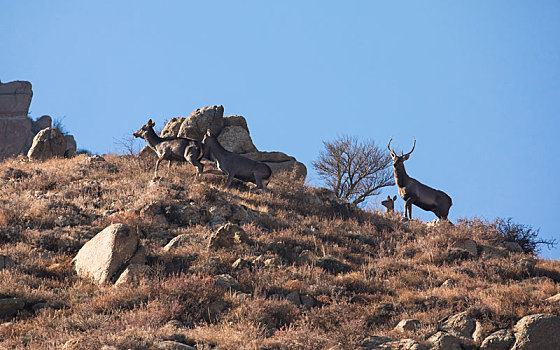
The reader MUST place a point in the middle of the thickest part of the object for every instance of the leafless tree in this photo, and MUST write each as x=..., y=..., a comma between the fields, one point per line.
x=354, y=170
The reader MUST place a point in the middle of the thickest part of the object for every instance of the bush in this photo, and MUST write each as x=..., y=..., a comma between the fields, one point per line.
x=524, y=235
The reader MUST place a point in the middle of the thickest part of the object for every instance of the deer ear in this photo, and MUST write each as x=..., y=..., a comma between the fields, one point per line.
x=405, y=157
x=208, y=133
x=395, y=198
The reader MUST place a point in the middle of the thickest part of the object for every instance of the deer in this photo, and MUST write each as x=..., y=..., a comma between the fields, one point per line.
x=414, y=192
x=234, y=165
x=389, y=204
x=170, y=148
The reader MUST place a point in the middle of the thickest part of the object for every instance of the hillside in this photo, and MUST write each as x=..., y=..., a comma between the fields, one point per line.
x=307, y=271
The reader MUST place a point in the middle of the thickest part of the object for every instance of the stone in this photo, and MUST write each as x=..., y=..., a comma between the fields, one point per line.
x=106, y=253
x=306, y=257
x=444, y=341
x=460, y=324
x=41, y=123
x=15, y=98
x=467, y=244
x=373, y=342
x=499, y=340
x=173, y=345
x=227, y=236
x=553, y=299
x=132, y=273
x=240, y=264
x=177, y=242
x=15, y=135
x=71, y=147
x=236, y=139
x=513, y=247
x=10, y=306
x=407, y=325
x=403, y=344
x=226, y=282
x=279, y=162
x=527, y=265
x=540, y=331
x=48, y=143
x=235, y=120
x=201, y=120
x=449, y=283
x=6, y=262
x=171, y=129
x=332, y=265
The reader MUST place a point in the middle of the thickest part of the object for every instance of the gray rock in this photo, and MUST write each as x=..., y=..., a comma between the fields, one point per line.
x=467, y=244
x=48, y=143
x=540, y=331
x=106, y=253
x=235, y=120
x=444, y=341
x=226, y=282
x=227, y=236
x=332, y=264
x=41, y=123
x=513, y=247
x=460, y=324
x=373, y=341
x=71, y=147
x=527, y=265
x=236, y=139
x=10, y=306
x=15, y=98
x=132, y=273
x=499, y=340
x=307, y=301
x=15, y=135
x=171, y=129
x=407, y=325
x=177, y=242
x=294, y=298
x=207, y=118
x=403, y=344
x=240, y=264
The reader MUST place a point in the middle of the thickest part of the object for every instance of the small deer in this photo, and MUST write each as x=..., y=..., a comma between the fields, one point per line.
x=234, y=165
x=414, y=192
x=389, y=204
x=170, y=148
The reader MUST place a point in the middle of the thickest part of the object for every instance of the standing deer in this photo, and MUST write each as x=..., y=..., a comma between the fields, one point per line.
x=389, y=204
x=234, y=165
x=170, y=148
x=414, y=192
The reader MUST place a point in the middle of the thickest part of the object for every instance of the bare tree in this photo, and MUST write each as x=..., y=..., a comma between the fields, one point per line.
x=354, y=170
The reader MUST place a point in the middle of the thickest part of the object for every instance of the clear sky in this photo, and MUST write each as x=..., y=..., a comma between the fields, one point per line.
x=477, y=83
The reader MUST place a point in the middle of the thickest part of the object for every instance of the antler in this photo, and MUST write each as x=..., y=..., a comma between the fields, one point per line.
x=389, y=147
x=414, y=145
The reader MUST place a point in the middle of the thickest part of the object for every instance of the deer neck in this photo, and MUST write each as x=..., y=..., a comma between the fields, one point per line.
x=152, y=138
x=401, y=177
x=216, y=149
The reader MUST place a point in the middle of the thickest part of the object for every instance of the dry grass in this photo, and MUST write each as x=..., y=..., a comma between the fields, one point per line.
x=360, y=272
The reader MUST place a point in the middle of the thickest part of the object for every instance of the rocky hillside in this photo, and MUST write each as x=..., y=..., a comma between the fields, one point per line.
x=95, y=255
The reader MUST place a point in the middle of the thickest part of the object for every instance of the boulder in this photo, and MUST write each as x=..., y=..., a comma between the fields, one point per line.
x=444, y=341
x=176, y=242
x=132, y=273
x=41, y=123
x=106, y=253
x=512, y=247
x=403, y=344
x=15, y=135
x=10, y=306
x=15, y=98
x=207, y=118
x=540, y=331
x=332, y=265
x=236, y=139
x=299, y=169
x=71, y=147
x=499, y=340
x=407, y=325
x=48, y=143
x=227, y=236
x=467, y=244
x=172, y=345
x=460, y=324
x=172, y=127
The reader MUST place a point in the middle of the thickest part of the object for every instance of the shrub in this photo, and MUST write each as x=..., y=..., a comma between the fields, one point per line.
x=524, y=235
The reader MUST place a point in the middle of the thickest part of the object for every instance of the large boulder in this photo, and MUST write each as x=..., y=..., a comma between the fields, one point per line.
x=15, y=98
x=279, y=162
x=207, y=118
x=41, y=123
x=460, y=324
x=236, y=139
x=106, y=253
x=71, y=147
x=172, y=127
x=537, y=332
x=499, y=340
x=48, y=143
x=15, y=135
x=235, y=120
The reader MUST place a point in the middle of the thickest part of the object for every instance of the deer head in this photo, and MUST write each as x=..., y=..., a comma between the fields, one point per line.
x=389, y=203
x=144, y=129
x=399, y=159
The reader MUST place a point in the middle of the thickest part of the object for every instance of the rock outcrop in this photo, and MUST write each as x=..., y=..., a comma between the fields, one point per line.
x=17, y=130
x=541, y=331
x=232, y=133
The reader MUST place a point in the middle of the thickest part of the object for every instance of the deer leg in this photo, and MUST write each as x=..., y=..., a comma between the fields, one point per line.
x=157, y=166
x=408, y=208
x=229, y=179
x=259, y=183
x=192, y=157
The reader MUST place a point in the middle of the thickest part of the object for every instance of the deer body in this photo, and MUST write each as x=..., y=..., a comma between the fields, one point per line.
x=414, y=192
x=235, y=165
x=170, y=148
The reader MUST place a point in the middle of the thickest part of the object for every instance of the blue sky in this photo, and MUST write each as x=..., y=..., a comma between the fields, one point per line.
x=476, y=83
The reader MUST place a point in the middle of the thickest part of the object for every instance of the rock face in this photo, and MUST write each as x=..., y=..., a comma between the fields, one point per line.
x=540, y=331
x=15, y=98
x=71, y=147
x=233, y=134
x=48, y=143
x=106, y=253
x=499, y=340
